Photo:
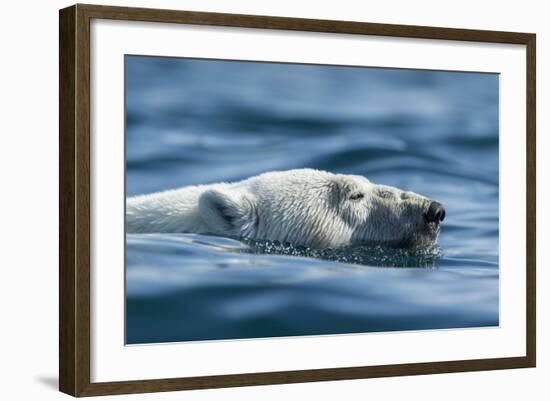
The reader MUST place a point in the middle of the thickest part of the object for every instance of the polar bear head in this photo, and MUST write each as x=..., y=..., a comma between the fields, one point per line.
x=320, y=210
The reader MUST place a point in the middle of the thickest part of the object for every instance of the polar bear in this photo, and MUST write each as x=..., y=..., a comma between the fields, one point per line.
x=305, y=207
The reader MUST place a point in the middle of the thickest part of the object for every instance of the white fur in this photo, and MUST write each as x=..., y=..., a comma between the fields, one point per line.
x=305, y=207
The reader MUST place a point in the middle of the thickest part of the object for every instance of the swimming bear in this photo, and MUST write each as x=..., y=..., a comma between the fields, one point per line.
x=305, y=207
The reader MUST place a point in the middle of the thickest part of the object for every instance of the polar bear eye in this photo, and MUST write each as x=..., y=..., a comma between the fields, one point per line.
x=357, y=196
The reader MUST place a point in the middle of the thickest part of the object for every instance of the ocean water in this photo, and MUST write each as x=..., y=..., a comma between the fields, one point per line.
x=203, y=121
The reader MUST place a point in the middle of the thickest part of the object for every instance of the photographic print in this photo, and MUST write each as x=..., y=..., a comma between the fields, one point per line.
x=279, y=199
x=312, y=199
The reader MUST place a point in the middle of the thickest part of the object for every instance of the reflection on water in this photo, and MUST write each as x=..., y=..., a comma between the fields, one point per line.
x=435, y=133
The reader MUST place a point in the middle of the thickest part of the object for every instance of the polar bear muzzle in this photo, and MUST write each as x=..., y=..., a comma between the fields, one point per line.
x=435, y=213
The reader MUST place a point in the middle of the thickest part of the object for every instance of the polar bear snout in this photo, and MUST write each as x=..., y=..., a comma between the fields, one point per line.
x=435, y=213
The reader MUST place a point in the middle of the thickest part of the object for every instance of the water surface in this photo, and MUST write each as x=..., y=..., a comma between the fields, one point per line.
x=201, y=121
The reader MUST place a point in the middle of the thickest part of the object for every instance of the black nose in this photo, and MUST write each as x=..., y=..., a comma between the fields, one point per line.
x=435, y=213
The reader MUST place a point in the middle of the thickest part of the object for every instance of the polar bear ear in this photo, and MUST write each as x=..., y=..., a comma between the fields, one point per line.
x=337, y=192
x=223, y=211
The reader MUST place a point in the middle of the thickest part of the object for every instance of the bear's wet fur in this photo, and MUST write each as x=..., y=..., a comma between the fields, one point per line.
x=305, y=207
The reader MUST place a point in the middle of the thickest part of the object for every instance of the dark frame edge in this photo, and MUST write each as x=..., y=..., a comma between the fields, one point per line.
x=74, y=201
x=67, y=224
x=300, y=24
x=302, y=376
x=531, y=201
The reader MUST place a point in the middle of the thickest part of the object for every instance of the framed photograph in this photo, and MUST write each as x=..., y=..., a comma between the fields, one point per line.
x=250, y=200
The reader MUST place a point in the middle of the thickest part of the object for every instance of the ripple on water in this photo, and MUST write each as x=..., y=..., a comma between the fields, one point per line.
x=368, y=256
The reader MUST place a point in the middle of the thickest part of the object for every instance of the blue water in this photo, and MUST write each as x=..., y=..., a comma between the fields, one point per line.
x=203, y=121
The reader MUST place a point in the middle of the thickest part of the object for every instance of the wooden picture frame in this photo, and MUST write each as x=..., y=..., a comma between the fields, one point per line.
x=74, y=200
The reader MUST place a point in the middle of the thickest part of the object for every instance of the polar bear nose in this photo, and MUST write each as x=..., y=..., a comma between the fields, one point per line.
x=435, y=213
